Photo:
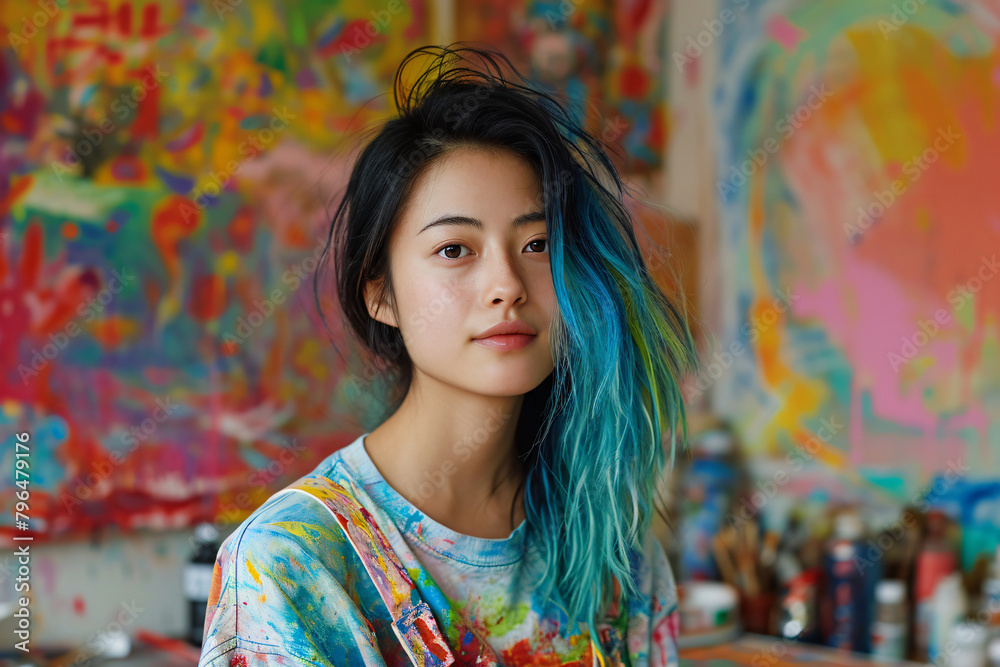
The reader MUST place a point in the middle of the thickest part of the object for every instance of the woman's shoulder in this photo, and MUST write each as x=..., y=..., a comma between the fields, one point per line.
x=657, y=576
x=294, y=519
x=654, y=614
x=285, y=587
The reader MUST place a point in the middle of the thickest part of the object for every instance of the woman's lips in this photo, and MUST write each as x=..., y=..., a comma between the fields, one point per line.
x=505, y=341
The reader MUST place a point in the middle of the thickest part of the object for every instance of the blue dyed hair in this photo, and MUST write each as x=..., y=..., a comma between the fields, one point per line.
x=591, y=435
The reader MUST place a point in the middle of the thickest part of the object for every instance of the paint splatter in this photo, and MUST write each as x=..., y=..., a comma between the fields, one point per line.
x=781, y=30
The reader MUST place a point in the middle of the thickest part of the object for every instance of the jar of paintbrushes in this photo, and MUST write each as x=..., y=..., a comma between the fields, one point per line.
x=746, y=561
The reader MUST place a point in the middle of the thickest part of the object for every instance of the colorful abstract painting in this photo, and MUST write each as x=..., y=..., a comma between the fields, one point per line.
x=857, y=163
x=167, y=171
x=606, y=58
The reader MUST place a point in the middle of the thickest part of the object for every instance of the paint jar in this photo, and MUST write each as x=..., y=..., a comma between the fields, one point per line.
x=758, y=612
x=968, y=643
x=993, y=652
x=889, y=630
x=707, y=605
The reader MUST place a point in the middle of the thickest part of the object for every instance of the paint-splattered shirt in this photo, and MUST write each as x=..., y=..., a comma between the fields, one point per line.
x=289, y=589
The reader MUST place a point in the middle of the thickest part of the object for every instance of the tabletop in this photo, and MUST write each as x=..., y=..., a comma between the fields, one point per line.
x=764, y=651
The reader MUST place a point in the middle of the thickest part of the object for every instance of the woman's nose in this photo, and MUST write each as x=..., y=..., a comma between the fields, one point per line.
x=504, y=282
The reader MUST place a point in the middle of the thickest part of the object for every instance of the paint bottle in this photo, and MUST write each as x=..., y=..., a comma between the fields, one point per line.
x=993, y=652
x=889, y=629
x=197, y=579
x=797, y=613
x=851, y=586
x=968, y=645
x=949, y=611
x=935, y=561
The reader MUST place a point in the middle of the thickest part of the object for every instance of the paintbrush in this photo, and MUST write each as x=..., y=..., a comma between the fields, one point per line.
x=736, y=542
x=751, y=560
x=769, y=558
x=909, y=551
x=732, y=545
x=770, y=551
x=750, y=535
x=723, y=560
x=748, y=569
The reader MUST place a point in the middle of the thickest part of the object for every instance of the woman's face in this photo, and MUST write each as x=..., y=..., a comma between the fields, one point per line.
x=470, y=251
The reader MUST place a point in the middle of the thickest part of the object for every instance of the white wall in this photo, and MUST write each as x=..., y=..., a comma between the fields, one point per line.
x=79, y=588
x=690, y=174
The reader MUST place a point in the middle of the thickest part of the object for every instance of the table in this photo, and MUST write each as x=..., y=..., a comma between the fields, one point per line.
x=764, y=651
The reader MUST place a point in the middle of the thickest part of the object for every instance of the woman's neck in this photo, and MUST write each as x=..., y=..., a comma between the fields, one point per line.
x=453, y=455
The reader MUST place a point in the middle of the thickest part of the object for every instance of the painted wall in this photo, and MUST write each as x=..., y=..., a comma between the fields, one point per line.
x=607, y=59
x=171, y=172
x=167, y=172
x=855, y=149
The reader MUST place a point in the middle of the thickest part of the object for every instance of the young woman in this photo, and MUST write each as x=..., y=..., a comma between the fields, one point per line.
x=500, y=511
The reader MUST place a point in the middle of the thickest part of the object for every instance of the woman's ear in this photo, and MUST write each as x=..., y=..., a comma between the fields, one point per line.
x=378, y=310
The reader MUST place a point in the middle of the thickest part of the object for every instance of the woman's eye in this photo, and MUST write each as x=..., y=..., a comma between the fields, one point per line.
x=544, y=242
x=448, y=249
x=538, y=246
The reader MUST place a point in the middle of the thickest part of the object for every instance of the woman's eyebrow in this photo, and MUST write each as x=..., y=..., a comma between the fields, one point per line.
x=519, y=221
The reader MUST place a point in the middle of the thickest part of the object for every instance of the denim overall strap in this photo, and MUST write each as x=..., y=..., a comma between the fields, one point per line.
x=412, y=620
